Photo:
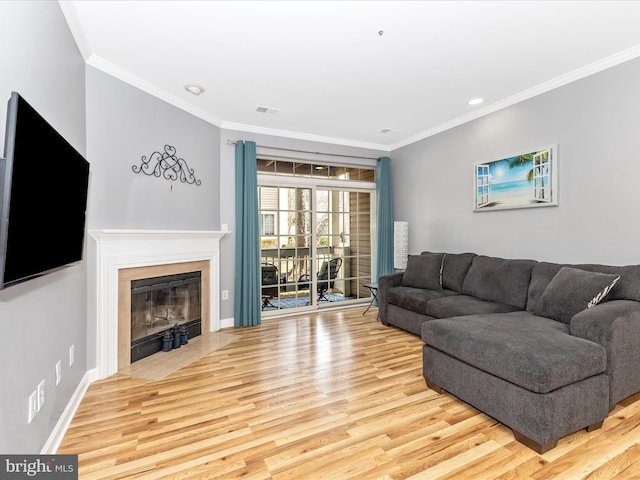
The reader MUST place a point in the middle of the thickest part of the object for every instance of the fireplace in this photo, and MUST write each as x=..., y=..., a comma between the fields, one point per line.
x=165, y=312
x=159, y=304
x=117, y=257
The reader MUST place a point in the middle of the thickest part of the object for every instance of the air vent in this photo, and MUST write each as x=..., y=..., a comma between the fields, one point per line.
x=387, y=130
x=272, y=111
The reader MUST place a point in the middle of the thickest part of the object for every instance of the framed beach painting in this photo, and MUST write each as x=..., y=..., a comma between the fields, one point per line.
x=524, y=180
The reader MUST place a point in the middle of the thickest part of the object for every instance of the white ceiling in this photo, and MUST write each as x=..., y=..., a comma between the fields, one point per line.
x=331, y=74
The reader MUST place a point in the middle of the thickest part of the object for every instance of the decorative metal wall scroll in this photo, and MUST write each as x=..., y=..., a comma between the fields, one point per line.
x=168, y=165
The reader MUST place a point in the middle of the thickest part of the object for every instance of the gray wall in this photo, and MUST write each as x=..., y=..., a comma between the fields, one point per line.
x=595, y=123
x=42, y=318
x=125, y=124
x=227, y=190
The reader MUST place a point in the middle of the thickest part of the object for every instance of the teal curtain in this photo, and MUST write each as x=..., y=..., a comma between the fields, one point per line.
x=384, y=220
x=247, y=287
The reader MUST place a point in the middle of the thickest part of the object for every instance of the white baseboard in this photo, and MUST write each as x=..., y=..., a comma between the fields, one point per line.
x=59, y=431
x=226, y=322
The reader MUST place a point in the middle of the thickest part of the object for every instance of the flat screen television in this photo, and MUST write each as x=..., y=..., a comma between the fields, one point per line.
x=43, y=197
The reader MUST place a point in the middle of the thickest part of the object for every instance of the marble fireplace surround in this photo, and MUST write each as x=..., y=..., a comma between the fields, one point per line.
x=113, y=250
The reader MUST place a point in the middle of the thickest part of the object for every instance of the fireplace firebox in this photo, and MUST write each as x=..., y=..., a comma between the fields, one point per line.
x=159, y=303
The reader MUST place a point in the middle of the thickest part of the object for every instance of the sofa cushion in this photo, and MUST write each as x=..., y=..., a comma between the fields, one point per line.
x=627, y=288
x=573, y=290
x=415, y=299
x=406, y=319
x=454, y=306
x=424, y=271
x=454, y=270
x=499, y=280
x=541, y=275
x=533, y=352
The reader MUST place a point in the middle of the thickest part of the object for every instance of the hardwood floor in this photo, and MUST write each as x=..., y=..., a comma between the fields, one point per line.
x=332, y=395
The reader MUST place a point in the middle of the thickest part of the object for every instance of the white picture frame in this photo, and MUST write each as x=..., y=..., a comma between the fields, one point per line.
x=527, y=179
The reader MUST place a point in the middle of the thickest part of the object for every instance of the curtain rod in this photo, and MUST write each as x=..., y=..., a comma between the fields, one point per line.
x=231, y=142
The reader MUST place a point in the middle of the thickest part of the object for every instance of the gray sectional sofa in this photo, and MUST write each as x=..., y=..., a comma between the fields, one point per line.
x=544, y=348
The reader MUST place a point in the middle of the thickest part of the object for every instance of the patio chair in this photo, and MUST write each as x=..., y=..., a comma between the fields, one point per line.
x=269, y=277
x=328, y=272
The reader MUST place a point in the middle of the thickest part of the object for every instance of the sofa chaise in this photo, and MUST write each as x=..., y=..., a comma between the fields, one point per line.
x=546, y=349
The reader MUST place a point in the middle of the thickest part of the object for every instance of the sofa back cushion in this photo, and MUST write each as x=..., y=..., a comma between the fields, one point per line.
x=455, y=267
x=424, y=271
x=573, y=290
x=499, y=280
x=627, y=288
x=541, y=275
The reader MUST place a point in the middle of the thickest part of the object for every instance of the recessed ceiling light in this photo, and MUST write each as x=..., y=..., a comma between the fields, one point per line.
x=475, y=101
x=195, y=89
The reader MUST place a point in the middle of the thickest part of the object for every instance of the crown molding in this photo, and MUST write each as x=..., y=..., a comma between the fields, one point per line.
x=303, y=136
x=77, y=32
x=570, y=77
x=147, y=87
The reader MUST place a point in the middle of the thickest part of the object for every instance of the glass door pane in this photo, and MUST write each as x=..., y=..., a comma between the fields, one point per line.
x=343, y=248
x=285, y=241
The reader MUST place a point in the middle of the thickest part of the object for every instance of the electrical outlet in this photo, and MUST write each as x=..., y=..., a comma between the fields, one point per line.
x=71, y=355
x=58, y=372
x=40, y=395
x=33, y=405
x=225, y=294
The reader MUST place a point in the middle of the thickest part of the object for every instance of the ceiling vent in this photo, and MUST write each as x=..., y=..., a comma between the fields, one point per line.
x=272, y=111
x=387, y=130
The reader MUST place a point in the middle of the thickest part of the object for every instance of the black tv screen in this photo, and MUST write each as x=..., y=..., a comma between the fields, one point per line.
x=43, y=195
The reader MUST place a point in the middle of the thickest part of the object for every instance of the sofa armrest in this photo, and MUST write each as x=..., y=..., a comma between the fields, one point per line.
x=616, y=326
x=384, y=284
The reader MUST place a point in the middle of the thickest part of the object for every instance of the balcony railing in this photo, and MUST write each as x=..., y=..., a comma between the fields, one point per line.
x=292, y=283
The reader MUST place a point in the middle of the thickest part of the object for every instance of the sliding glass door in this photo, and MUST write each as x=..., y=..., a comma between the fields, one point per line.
x=316, y=245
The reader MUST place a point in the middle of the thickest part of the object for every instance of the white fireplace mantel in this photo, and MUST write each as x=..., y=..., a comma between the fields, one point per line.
x=112, y=250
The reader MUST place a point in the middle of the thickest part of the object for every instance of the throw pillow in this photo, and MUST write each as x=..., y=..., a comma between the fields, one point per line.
x=423, y=271
x=573, y=290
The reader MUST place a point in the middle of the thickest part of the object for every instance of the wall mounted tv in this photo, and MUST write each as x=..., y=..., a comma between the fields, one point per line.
x=43, y=197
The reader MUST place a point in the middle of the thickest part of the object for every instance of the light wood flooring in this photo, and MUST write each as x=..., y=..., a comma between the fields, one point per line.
x=332, y=395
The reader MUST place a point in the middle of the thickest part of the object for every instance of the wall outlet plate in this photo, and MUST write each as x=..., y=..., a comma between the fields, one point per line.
x=41, y=395
x=33, y=405
x=58, y=372
x=72, y=355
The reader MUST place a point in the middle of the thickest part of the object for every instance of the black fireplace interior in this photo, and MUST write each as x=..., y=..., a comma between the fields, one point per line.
x=159, y=303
